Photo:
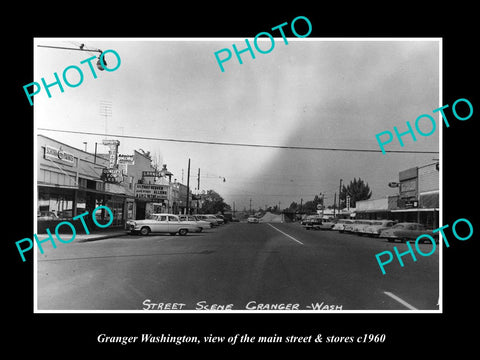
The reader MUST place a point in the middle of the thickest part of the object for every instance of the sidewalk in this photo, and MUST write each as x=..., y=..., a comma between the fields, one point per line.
x=94, y=236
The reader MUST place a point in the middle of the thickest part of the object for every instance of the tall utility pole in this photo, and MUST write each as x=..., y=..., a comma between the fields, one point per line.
x=188, y=187
x=334, y=203
x=198, y=189
x=339, y=191
x=250, y=212
x=198, y=180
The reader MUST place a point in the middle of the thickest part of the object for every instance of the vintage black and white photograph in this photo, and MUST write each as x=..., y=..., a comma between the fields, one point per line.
x=268, y=174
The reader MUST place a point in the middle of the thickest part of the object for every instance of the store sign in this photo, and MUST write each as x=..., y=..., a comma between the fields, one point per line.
x=113, y=151
x=152, y=173
x=408, y=188
x=149, y=191
x=112, y=175
x=58, y=154
x=410, y=204
x=125, y=159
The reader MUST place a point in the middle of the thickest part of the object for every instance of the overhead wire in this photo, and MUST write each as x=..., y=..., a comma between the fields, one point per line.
x=242, y=144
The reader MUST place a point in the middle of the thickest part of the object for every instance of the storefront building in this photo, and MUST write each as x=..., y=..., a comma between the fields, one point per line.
x=417, y=200
x=69, y=183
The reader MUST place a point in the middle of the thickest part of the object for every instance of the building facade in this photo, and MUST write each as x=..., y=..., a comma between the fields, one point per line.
x=71, y=181
x=417, y=199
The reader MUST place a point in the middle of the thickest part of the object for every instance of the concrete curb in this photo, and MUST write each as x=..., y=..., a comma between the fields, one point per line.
x=95, y=237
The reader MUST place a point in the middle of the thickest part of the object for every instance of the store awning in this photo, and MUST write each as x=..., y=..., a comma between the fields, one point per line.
x=415, y=210
x=89, y=171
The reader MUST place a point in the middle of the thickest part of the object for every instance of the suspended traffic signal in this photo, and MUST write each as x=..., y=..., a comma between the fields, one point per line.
x=99, y=63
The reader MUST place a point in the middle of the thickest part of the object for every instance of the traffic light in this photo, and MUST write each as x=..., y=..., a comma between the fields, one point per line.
x=99, y=63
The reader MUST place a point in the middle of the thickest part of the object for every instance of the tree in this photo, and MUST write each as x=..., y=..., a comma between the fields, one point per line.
x=213, y=203
x=357, y=189
x=293, y=207
x=311, y=205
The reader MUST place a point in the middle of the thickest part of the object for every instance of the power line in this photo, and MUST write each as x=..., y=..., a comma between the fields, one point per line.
x=242, y=144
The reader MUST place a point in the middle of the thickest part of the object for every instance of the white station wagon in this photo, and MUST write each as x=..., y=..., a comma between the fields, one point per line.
x=162, y=223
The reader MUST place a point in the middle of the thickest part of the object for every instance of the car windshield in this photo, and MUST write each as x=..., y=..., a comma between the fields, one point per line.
x=398, y=226
x=152, y=217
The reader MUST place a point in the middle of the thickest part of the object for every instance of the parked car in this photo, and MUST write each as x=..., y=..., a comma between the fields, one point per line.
x=220, y=219
x=162, y=223
x=308, y=218
x=348, y=228
x=378, y=226
x=192, y=218
x=210, y=218
x=407, y=231
x=341, y=223
x=360, y=225
x=235, y=219
x=46, y=215
x=327, y=224
x=252, y=220
x=313, y=223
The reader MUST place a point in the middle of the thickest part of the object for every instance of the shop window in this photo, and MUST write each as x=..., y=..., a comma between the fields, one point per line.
x=130, y=214
x=54, y=206
x=81, y=202
x=100, y=186
x=82, y=183
x=91, y=184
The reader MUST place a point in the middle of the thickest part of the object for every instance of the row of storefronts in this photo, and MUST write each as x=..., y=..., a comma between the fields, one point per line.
x=71, y=181
x=417, y=200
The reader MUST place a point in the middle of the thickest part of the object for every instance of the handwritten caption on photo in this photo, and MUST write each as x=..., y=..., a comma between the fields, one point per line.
x=57, y=233
x=251, y=305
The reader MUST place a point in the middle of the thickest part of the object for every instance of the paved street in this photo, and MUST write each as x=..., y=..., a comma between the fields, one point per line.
x=241, y=264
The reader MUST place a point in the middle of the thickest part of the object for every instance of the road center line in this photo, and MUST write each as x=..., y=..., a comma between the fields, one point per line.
x=401, y=301
x=291, y=237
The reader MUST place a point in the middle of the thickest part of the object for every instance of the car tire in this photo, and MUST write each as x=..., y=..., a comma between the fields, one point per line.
x=390, y=240
x=144, y=231
x=182, y=232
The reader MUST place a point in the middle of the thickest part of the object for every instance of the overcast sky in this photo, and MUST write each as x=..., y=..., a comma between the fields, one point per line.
x=311, y=92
